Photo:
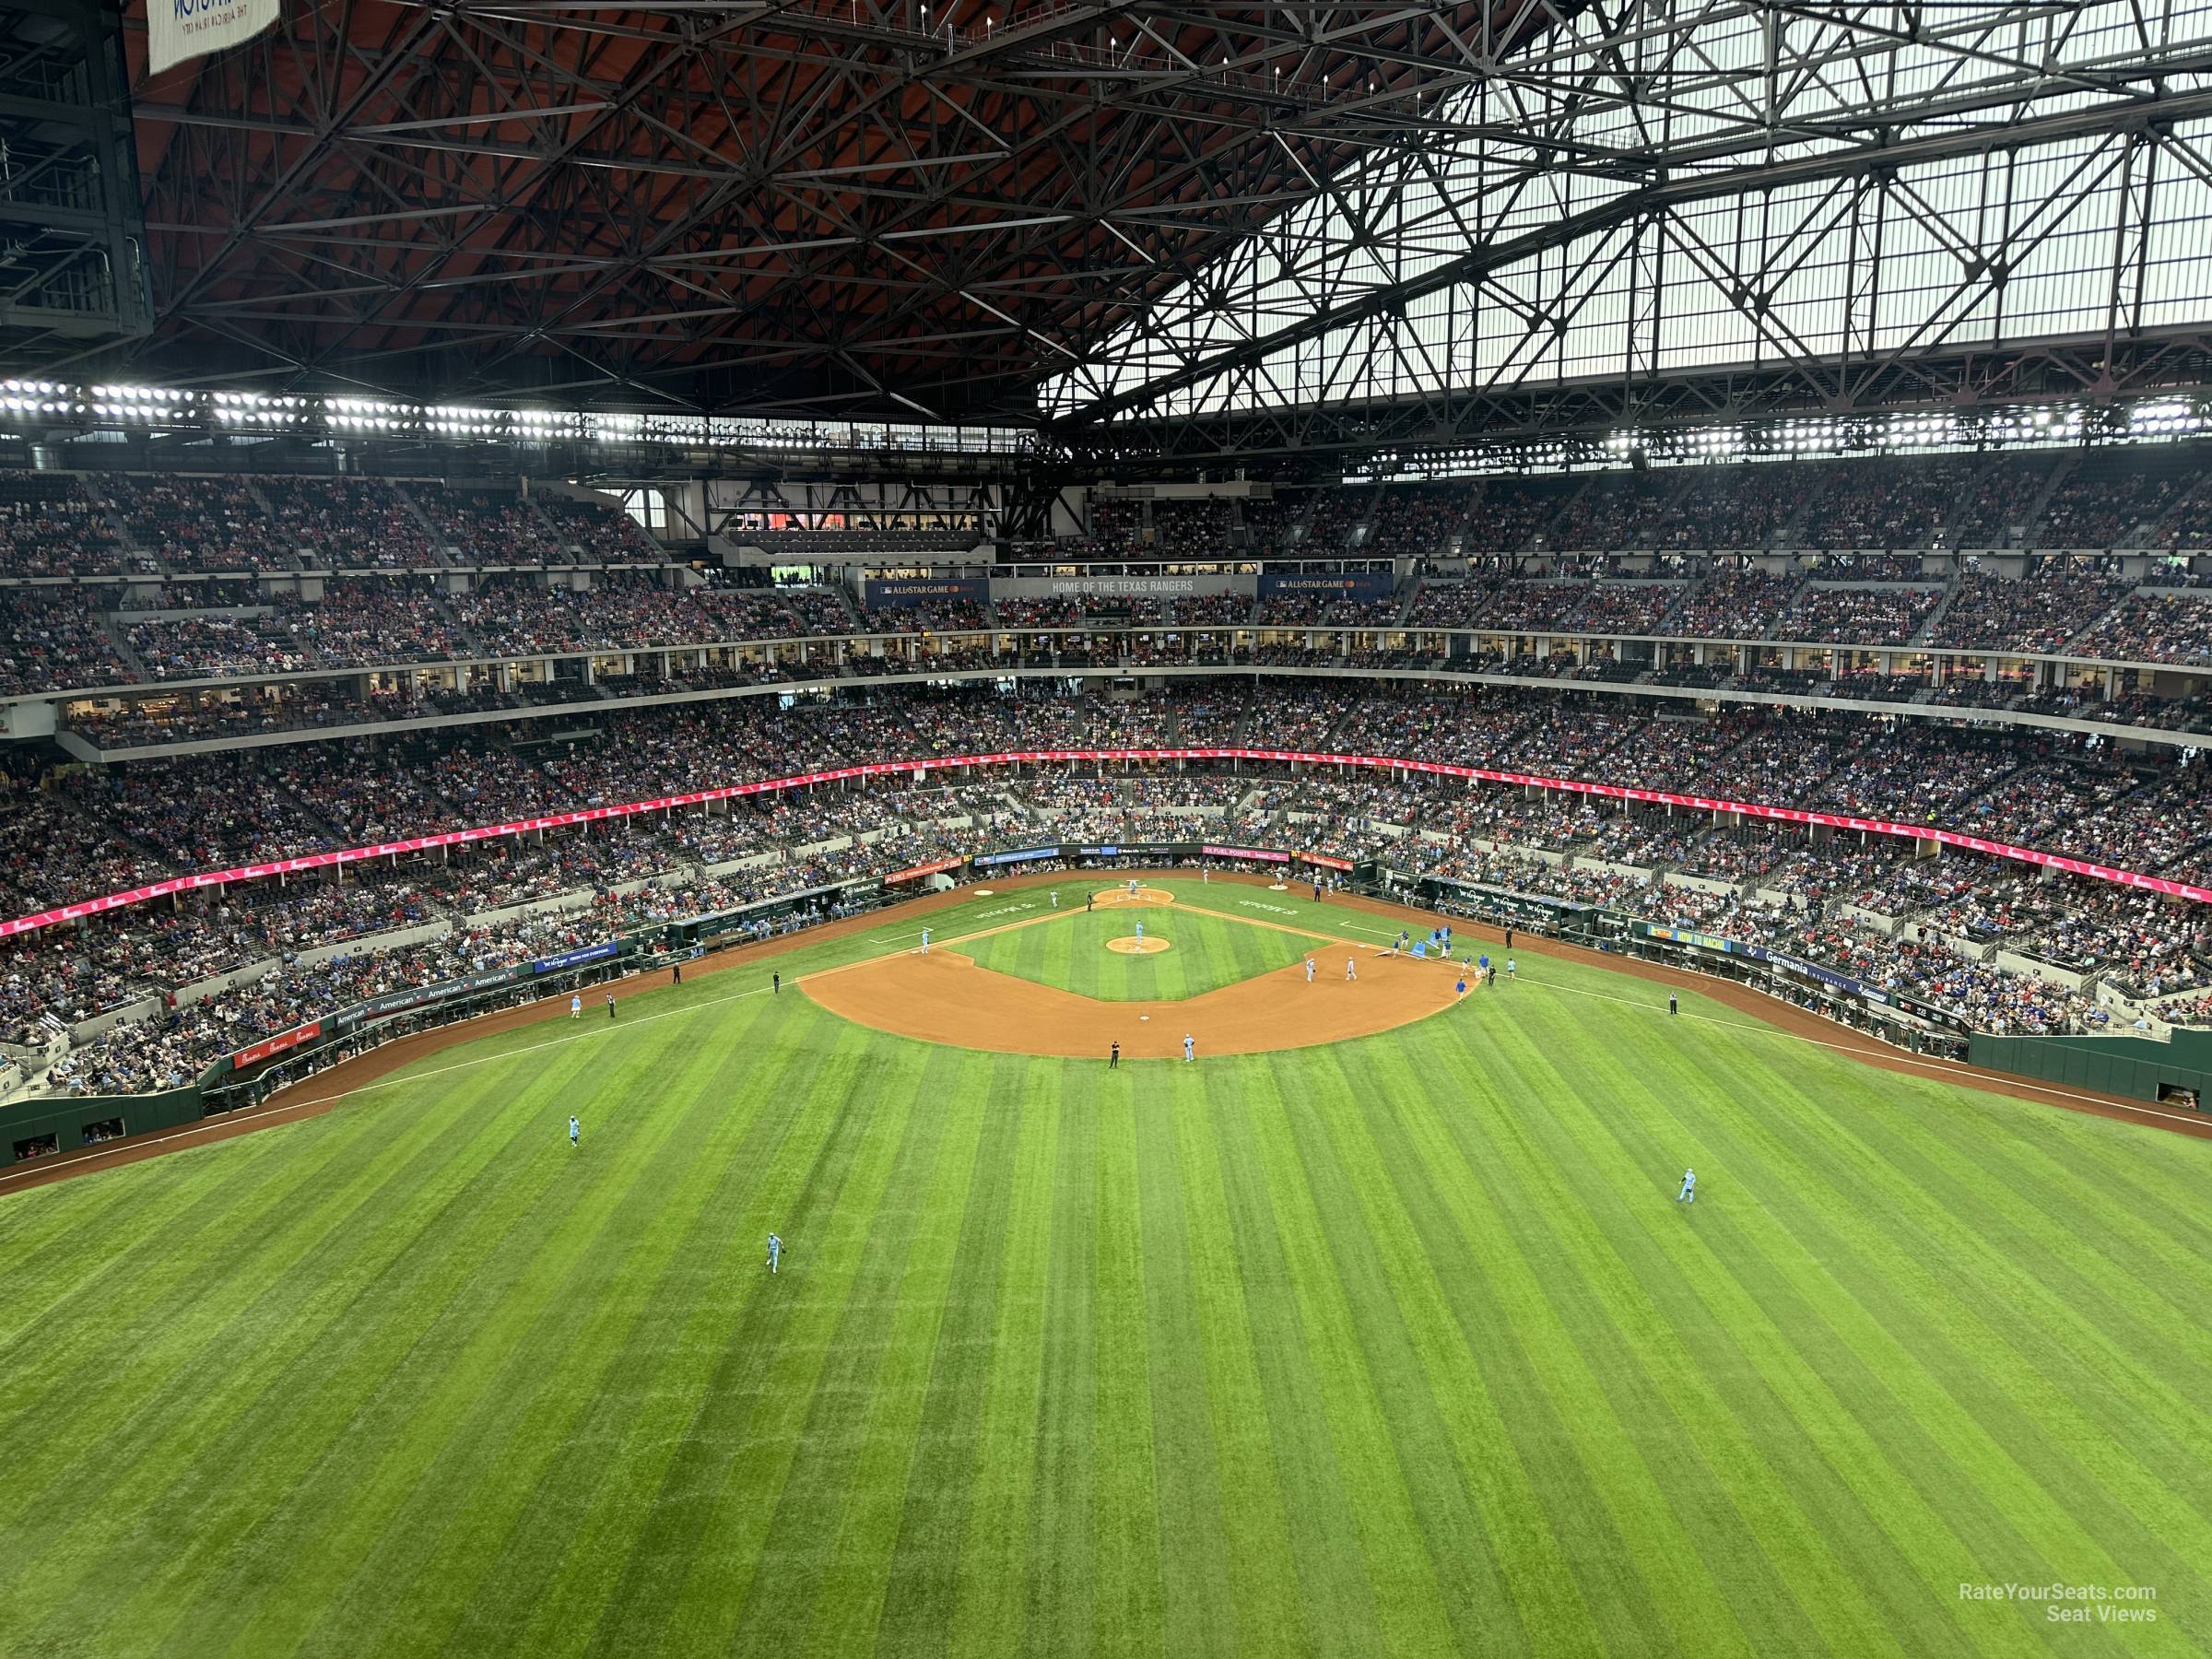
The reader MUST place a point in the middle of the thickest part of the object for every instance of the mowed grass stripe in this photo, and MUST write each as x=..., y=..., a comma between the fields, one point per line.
x=1954, y=1437
x=1731, y=1501
x=1197, y=1609
x=1905, y=1558
x=989, y=1603
x=1395, y=1346
x=289, y=1279
x=855, y=1580
x=522, y=1487
x=924, y=1565
x=471, y=1362
x=2012, y=1304
x=791, y=1579
x=1693, y=1613
x=2130, y=1305
x=1997, y=1275
x=1060, y=1615
x=1528, y=1600
x=1860, y=1574
x=1262, y=1578
x=312, y=1422
x=233, y=1452
x=233, y=1206
x=1334, y=1506
x=1361, y=1239
x=602, y=1488
x=1127, y=1524
x=725, y=1480
x=1515, y=1457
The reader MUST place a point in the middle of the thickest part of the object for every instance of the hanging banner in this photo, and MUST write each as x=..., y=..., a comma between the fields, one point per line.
x=178, y=29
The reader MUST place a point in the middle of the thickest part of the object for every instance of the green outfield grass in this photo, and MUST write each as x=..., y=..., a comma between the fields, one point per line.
x=1206, y=951
x=1397, y=1347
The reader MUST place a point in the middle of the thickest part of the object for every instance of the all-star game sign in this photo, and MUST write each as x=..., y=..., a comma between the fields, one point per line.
x=178, y=29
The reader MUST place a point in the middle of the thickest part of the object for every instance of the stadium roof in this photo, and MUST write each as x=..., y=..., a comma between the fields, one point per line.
x=1178, y=210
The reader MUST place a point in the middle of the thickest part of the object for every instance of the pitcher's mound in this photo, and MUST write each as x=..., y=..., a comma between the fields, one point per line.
x=1138, y=946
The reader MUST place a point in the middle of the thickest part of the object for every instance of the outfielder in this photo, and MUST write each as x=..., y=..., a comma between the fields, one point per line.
x=1688, y=1195
x=775, y=1251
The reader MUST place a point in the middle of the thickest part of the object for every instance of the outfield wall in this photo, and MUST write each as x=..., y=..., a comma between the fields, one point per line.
x=2135, y=1069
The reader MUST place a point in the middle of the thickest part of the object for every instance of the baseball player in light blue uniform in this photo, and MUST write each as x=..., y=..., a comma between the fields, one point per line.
x=1688, y=1195
x=775, y=1251
x=575, y=1131
x=1141, y=933
x=1309, y=971
x=925, y=941
x=1187, y=1045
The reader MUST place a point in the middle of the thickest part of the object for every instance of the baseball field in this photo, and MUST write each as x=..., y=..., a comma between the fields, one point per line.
x=1376, y=1329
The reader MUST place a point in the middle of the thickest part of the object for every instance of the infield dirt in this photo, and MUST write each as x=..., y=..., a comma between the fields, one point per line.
x=945, y=997
x=318, y=1094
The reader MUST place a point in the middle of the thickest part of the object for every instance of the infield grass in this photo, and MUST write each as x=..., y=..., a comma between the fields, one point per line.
x=1399, y=1346
x=1206, y=952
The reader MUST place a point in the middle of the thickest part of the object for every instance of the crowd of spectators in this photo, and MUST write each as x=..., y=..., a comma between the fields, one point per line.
x=2041, y=611
x=49, y=526
x=1627, y=608
x=2109, y=499
x=1417, y=521
x=1506, y=514
x=52, y=637
x=603, y=533
x=2172, y=627
x=208, y=522
x=1884, y=614
x=1732, y=603
x=1199, y=527
x=348, y=523
x=1995, y=510
x=1738, y=508
x=1615, y=511
x=84, y=830
x=489, y=527
x=1875, y=504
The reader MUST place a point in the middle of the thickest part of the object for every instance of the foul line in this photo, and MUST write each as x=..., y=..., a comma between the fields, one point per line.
x=1899, y=1059
x=1886, y=1057
x=229, y=1120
